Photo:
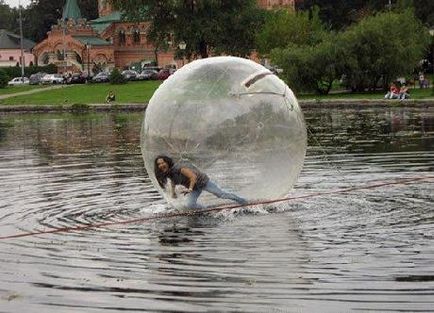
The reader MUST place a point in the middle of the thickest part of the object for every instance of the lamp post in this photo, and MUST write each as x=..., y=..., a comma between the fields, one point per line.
x=65, y=59
x=182, y=45
x=88, y=46
x=431, y=32
x=21, y=42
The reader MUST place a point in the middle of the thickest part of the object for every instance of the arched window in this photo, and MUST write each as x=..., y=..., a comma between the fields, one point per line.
x=122, y=37
x=45, y=58
x=136, y=36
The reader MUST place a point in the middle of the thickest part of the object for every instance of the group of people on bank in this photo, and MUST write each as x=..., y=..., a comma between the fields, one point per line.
x=398, y=92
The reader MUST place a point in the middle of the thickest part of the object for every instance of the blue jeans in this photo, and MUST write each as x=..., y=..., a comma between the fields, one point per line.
x=215, y=190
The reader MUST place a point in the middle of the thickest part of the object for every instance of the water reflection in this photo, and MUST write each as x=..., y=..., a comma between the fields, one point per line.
x=369, y=250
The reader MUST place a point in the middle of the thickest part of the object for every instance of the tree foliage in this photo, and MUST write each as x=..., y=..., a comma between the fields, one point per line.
x=116, y=77
x=283, y=27
x=6, y=16
x=368, y=54
x=310, y=67
x=301, y=45
x=382, y=47
x=204, y=25
x=340, y=14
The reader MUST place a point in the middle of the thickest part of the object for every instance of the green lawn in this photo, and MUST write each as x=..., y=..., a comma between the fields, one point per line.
x=141, y=92
x=132, y=92
x=16, y=89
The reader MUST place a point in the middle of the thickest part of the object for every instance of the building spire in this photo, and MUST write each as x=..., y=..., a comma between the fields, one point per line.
x=71, y=10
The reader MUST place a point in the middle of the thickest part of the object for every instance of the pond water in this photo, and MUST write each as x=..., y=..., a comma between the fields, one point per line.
x=366, y=250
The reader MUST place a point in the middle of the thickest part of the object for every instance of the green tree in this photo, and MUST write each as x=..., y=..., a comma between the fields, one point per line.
x=424, y=10
x=6, y=18
x=299, y=43
x=116, y=77
x=283, y=27
x=310, y=67
x=382, y=47
x=204, y=25
x=339, y=14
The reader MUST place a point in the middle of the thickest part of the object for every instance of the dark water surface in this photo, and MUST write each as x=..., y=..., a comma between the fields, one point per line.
x=369, y=250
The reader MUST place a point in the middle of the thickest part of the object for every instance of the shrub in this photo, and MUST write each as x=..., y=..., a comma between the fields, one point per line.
x=4, y=78
x=116, y=77
x=80, y=107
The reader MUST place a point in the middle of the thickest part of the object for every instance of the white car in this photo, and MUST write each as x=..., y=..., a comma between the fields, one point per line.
x=19, y=81
x=53, y=79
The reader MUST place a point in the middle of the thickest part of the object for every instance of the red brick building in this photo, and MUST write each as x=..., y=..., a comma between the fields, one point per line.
x=75, y=44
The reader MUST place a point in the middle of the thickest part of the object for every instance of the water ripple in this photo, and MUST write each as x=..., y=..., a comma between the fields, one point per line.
x=364, y=250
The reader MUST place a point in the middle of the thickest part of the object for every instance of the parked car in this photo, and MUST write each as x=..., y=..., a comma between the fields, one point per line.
x=18, y=81
x=53, y=79
x=274, y=69
x=101, y=77
x=155, y=68
x=76, y=78
x=129, y=74
x=148, y=75
x=35, y=79
x=164, y=74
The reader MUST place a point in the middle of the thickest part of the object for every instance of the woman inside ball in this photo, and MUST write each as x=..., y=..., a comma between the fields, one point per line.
x=191, y=178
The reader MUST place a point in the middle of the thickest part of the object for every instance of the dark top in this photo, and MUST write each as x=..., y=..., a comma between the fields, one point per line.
x=179, y=179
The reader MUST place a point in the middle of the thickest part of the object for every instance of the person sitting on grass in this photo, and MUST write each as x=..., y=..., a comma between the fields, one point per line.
x=110, y=97
x=404, y=92
x=393, y=92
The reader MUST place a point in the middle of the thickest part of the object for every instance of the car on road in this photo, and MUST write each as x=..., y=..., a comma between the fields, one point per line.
x=53, y=79
x=18, y=81
x=129, y=74
x=147, y=74
x=101, y=77
x=76, y=78
x=35, y=79
x=165, y=73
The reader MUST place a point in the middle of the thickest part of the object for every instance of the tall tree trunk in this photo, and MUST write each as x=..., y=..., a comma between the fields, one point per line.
x=203, y=49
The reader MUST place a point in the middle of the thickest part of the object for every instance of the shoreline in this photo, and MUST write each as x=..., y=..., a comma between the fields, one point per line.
x=130, y=107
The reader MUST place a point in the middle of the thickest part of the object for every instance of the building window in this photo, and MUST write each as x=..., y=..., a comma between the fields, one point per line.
x=11, y=58
x=60, y=55
x=122, y=37
x=136, y=36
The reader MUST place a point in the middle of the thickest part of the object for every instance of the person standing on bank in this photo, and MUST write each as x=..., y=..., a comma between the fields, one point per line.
x=191, y=178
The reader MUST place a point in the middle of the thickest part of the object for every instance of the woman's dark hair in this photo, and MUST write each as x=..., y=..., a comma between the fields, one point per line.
x=162, y=177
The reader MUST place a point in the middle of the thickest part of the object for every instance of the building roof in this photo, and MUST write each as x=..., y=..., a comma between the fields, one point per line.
x=92, y=40
x=71, y=10
x=9, y=40
x=100, y=24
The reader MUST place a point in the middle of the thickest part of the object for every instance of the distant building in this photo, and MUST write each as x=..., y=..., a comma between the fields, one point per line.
x=75, y=44
x=10, y=50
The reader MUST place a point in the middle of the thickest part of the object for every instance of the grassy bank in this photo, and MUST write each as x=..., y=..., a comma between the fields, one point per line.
x=141, y=92
x=16, y=89
x=133, y=92
x=415, y=94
